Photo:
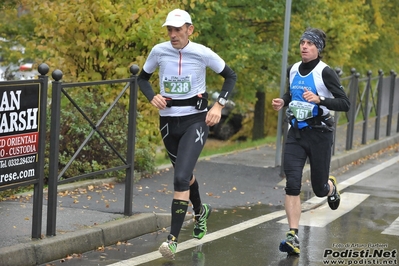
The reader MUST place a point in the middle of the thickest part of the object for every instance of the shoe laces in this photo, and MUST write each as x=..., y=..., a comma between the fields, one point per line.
x=200, y=219
x=293, y=239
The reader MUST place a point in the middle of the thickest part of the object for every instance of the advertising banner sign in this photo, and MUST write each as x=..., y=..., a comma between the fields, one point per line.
x=19, y=132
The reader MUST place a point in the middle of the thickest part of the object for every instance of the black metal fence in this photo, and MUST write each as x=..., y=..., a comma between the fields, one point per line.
x=374, y=103
x=18, y=154
x=59, y=88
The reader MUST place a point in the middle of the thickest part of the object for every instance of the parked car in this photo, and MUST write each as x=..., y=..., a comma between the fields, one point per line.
x=230, y=123
x=21, y=70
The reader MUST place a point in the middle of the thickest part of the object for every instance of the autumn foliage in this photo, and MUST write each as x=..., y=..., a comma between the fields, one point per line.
x=100, y=39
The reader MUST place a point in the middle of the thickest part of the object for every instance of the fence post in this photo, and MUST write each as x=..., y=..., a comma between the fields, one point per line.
x=391, y=98
x=339, y=73
x=131, y=139
x=397, y=105
x=353, y=90
x=366, y=108
x=38, y=187
x=54, y=153
x=379, y=105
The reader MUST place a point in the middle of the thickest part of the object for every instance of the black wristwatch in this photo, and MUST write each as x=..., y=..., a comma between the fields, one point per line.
x=222, y=101
x=322, y=98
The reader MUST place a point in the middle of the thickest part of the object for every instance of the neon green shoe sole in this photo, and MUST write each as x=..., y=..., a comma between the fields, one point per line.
x=200, y=227
x=168, y=248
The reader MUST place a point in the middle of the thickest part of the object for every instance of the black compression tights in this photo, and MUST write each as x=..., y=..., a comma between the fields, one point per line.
x=195, y=197
x=184, y=138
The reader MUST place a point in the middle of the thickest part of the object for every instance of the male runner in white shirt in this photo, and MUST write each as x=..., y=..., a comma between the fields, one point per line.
x=184, y=116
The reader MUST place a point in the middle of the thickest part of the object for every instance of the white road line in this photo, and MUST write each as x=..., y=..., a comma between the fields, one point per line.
x=393, y=229
x=323, y=215
x=209, y=237
x=359, y=177
x=250, y=223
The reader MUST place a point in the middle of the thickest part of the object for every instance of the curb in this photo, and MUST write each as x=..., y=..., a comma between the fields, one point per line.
x=53, y=248
x=352, y=156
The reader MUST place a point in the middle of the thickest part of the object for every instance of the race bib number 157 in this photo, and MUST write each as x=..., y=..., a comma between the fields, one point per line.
x=302, y=110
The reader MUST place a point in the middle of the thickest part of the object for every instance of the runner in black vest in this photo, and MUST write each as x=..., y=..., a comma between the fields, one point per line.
x=314, y=90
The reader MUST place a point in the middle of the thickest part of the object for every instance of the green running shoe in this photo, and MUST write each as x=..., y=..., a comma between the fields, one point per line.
x=200, y=221
x=168, y=248
x=334, y=199
x=290, y=244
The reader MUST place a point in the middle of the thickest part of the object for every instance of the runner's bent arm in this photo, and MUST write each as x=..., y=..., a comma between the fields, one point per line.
x=155, y=99
x=340, y=102
x=230, y=79
x=215, y=113
x=144, y=84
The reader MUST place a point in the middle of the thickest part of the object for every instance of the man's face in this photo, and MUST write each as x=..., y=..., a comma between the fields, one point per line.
x=179, y=36
x=309, y=51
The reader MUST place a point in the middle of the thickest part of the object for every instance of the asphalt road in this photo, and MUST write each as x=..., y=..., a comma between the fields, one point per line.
x=247, y=230
x=90, y=215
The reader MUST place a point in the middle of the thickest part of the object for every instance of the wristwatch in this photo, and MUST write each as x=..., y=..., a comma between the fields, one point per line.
x=322, y=98
x=222, y=101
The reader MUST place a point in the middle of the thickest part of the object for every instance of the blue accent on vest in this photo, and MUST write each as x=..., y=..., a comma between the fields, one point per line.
x=297, y=89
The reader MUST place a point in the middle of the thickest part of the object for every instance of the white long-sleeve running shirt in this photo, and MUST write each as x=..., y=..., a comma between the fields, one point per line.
x=182, y=72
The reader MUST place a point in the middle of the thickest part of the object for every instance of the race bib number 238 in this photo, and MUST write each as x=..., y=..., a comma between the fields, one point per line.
x=177, y=84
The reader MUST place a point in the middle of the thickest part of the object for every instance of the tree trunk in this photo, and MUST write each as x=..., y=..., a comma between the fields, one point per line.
x=258, y=130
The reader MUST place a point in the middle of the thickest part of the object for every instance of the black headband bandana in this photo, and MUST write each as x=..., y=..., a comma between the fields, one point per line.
x=314, y=38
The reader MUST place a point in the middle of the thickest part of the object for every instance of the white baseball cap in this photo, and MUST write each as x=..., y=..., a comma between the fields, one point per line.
x=177, y=18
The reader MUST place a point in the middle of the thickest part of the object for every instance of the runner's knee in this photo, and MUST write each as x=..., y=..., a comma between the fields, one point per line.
x=181, y=184
x=292, y=191
x=321, y=191
x=293, y=185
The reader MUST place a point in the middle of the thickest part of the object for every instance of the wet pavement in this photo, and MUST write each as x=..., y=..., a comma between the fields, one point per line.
x=363, y=231
x=240, y=186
